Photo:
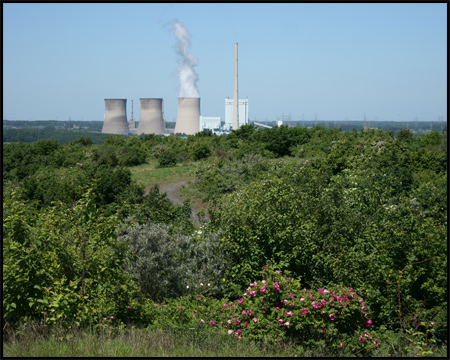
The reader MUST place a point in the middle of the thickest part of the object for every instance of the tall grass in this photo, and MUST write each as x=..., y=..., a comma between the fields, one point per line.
x=42, y=341
x=39, y=340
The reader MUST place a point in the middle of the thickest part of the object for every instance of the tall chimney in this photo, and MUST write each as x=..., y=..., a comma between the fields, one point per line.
x=236, y=97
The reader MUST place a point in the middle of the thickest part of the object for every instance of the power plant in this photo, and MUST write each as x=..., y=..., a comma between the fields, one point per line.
x=115, y=120
x=188, y=121
x=151, y=120
x=188, y=116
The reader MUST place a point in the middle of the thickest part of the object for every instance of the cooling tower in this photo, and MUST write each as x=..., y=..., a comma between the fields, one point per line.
x=188, y=117
x=115, y=121
x=151, y=119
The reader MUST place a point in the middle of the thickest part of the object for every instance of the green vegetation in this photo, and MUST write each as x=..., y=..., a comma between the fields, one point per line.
x=320, y=242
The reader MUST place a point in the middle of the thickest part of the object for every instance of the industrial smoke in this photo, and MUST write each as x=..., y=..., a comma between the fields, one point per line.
x=186, y=73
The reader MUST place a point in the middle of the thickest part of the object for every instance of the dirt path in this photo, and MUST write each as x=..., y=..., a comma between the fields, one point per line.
x=170, y=190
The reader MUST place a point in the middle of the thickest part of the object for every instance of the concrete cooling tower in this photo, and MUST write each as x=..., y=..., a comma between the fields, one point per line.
x=188, y=117
x=115, y=121
x=151, y=119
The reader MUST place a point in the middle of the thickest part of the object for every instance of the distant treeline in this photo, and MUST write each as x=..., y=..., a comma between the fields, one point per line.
x=30, y=131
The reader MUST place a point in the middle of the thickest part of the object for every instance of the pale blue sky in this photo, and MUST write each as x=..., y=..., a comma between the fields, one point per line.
x=338, y=61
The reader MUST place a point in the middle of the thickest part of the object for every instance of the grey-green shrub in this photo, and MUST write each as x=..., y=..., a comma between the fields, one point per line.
x=164, y=263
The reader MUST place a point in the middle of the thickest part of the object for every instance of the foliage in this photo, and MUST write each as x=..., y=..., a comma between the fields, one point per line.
x=62, y=264
x=164, y=263
x=336, y=219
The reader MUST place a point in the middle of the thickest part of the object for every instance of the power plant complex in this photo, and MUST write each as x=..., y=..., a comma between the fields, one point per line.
x=188, y=122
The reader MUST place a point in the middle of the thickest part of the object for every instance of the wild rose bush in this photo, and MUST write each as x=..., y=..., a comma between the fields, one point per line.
x=271, y=310
x=277, y=307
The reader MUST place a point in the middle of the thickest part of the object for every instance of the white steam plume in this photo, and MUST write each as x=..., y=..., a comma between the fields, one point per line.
x=186, y=72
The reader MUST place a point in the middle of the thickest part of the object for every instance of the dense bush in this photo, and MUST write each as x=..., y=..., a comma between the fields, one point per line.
x=336, y=219
x=63, y=264
x=167, y=263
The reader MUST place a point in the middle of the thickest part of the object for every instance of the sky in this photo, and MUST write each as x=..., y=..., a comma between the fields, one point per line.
x=304, y=61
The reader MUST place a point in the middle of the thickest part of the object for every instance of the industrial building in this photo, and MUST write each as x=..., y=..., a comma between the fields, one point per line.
x=115, y=120
x=243, y=112
x=210, y=123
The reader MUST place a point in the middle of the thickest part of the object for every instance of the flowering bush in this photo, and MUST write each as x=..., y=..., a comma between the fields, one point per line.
x=277, y=307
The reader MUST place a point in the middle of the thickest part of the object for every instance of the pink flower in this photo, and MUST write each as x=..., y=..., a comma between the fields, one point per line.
x=111, y=317
x=246, y=323
x=213, y=322
x=263, y=289
x=292, y=305
x=286, y=323
x=366, y=314
x=255, y=320
x=241, y=301
x=320, y=290
x=225, y=305
x=302, y=298
x=368, y=323
x=363, y=307
x=366, y=334
x=194, y=311
x=243, y=312
x=128, y=307
x=104, y=319
x=346, y=293
x=239, y=331
x=348, y=287
x=285, y=302
x=249, y=312
x=264, y=267
x=340, y=346
x=354, y=295
x=277, y=271
x=291, y=295
x=323, y=330
x=362, y=300
x=230, y=332
x=229, y=321
x=323, y=302
x=304, y=311
x=233, y=306
x=237, y=322
x=361, y=339
x=202, y=320
x=236, y=334
x=332, y=317
x=178, y=307
x=156, y=304
x=289, y=313
x=280, y=321
x=233, y=316
x=314, y=305
x=376, y=342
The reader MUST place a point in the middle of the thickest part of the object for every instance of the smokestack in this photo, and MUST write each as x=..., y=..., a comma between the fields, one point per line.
x=115, y=121
x=236, y=97
x=188, y=116
x=151, y=118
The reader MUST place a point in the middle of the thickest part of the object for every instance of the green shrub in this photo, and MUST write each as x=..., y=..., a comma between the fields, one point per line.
x=168, y=264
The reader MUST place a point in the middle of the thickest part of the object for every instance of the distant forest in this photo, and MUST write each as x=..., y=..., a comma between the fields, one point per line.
x=66, y=131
